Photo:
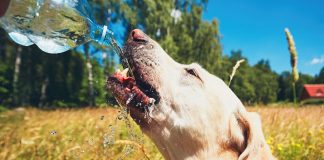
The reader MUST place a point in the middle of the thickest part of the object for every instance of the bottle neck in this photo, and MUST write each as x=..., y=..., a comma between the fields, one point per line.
x=104, y=36
x=101, y=34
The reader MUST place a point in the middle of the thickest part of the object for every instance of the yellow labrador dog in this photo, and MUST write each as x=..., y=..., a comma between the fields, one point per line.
x=187, y=112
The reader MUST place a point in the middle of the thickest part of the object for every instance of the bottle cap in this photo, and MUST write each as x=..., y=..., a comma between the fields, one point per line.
x=3, y=7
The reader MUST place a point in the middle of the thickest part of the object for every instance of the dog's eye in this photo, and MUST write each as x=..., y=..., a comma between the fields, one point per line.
x=193, y=72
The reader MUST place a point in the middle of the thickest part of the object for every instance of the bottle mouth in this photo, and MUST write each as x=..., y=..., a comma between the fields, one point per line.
x=104, y=32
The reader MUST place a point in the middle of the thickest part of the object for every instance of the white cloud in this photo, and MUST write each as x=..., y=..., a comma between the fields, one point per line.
x=317, y=60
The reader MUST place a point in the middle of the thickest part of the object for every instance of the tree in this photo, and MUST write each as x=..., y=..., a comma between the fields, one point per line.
x=241, y=84
x=5, y=78
x=285, y=89
x=319, y=79
x=16, y=75
x=265, y=82
x=252, y=84
x=64, y=80
x=91, y=99
x=186, y=37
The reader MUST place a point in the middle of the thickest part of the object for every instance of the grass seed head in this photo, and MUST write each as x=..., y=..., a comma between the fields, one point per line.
x=293, y=55
x=237, y=65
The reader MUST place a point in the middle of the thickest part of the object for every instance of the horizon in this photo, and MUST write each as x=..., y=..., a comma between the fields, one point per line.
x=265, y=39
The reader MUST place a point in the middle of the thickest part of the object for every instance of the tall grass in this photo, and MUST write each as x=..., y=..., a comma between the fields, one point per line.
x=293, y=133
x=293, y=61
x=70, y=134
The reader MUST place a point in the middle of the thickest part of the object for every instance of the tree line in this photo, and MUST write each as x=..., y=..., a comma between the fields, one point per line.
x=29, y=77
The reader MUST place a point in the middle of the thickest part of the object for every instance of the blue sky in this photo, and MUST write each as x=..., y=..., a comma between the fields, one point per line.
x=257, y=28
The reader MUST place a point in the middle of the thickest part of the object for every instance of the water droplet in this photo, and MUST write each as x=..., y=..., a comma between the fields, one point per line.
x=145, y=115
x=131, y=97
x=109, y=141
x=53, y=132
x=138, y=104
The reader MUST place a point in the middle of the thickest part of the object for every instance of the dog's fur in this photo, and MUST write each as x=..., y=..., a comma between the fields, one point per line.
x=197, y=116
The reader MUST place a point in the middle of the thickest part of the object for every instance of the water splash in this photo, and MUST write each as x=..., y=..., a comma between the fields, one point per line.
x=53, y=132
x=127, y=151
x=109, y=138
x=117, y=49
x=124, y=116
x=131, y=97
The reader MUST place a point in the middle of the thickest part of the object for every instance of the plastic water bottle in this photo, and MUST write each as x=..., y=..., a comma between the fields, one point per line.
x=55, y=26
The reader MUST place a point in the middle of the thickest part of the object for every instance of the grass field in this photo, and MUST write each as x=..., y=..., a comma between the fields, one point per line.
x=293, y=133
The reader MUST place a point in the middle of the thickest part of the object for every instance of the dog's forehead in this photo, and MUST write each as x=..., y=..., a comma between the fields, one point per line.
x=195, y=65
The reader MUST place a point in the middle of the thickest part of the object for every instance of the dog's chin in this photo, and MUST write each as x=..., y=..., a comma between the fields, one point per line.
x=136, y=93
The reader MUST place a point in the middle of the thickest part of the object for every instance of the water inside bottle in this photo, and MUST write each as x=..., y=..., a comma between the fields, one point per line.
x=55, y=26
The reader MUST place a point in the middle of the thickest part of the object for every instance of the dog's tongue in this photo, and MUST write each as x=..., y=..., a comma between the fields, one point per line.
x=127, y=92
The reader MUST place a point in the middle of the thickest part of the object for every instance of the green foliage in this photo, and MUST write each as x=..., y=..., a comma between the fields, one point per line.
x=99, y=83
x=320, y=77
x=62, y=80
x=4, y=91
x=252, y=84
x=187, y=39
x=5, y=69
x=64, y=77
x=285, y=87
x=265, y=82
x=2, y=109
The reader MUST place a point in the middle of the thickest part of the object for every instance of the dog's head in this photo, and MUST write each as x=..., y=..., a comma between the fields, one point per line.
x=183, y=108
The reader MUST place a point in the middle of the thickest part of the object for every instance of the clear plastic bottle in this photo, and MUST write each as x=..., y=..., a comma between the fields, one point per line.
x=55, y=26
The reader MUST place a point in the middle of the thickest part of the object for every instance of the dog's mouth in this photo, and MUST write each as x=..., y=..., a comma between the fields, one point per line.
x=138, y=91
x=132, y=92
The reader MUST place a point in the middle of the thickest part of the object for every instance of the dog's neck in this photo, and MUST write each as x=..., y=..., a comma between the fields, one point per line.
x=181, y=143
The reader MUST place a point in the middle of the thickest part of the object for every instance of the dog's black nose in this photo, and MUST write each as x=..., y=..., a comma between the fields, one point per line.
x=138, y=35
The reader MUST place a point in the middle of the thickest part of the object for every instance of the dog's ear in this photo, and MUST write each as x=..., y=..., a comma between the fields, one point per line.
x=256, y=146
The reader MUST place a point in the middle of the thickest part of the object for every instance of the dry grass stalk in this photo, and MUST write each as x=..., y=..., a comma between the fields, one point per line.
x=237, y=65
x=293, y=60
x=139, y=146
